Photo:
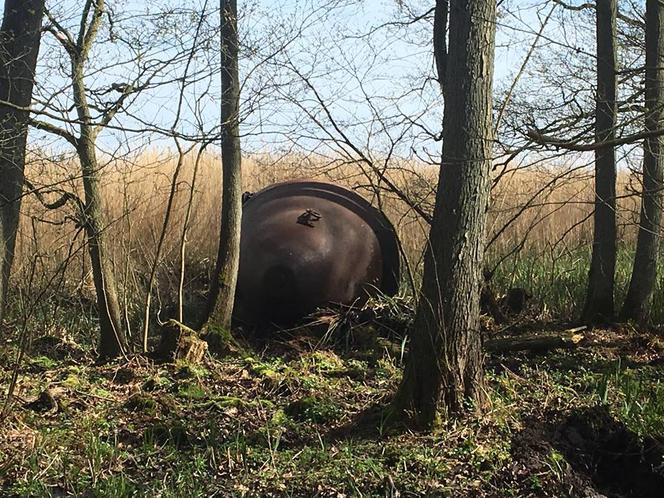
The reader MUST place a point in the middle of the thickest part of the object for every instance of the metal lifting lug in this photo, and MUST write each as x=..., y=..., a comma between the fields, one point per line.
x=309, y=217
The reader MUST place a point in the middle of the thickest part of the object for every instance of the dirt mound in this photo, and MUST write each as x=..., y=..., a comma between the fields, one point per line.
x=591, y=454
x=619, y=463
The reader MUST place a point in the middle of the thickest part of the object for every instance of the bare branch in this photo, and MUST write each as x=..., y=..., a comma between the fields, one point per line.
x=56, y=130
x=542, y=139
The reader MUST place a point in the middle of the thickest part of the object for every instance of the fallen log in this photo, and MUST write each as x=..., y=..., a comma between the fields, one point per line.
x=537, y=343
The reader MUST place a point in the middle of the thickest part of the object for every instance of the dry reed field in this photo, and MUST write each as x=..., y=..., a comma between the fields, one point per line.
x=542, y=212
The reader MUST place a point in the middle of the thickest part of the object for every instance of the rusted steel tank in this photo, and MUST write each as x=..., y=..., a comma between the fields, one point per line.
x=306, y=244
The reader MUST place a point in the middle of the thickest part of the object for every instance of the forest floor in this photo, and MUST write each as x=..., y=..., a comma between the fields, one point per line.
x=288, y=418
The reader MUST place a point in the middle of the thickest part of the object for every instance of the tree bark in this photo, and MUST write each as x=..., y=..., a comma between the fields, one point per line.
x=112, y=341
x=644, y=272
x=445, y=361
x=222, y=291
x=19, y=47
x=441, y=14
x=599, y=306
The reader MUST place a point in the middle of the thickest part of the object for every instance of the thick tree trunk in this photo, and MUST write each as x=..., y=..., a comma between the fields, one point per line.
x=441, y=14
x=445, y=363
x=599, y=306
x=644, y=272
x=19, y=47
x=222, y=291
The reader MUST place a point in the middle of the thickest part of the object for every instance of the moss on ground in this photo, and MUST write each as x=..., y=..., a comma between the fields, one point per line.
x=290, y=423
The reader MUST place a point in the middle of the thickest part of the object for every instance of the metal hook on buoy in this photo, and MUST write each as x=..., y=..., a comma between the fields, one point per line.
x=309, y=217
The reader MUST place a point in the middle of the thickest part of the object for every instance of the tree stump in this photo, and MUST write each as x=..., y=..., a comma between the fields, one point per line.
x=179, y=342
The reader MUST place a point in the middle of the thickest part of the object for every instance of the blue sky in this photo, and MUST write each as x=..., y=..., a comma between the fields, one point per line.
x=367, y=83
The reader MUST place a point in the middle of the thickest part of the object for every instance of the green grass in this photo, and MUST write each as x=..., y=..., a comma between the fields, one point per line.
x=299, y=420
x=285, y=425
x=636, y=396
x=557, y=279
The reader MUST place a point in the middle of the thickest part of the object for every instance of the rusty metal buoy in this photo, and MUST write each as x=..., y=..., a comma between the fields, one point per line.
x=307, y=244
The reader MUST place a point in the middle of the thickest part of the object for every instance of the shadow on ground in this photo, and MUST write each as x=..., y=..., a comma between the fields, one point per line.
x=602, y=457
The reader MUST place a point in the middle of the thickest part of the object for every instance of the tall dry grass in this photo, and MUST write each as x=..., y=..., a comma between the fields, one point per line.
x=547, y=208
x=544, y=209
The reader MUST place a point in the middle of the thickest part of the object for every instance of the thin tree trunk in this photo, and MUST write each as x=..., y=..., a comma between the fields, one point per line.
x=160, y=245
x=222, y=292
x=599, y=306
x=445, y=364
x=112, y=342
x=185, y=231
x=19, y=47
x=644, y=272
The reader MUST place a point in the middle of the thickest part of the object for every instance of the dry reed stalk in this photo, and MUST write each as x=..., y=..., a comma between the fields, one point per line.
x=136, y=193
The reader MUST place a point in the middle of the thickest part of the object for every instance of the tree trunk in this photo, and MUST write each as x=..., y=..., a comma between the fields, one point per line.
x=445, y=363
x=222, y=291
x=599, y=306
x=112, y=342
x=19, y=47
x=644, y=272
x=441, y=13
